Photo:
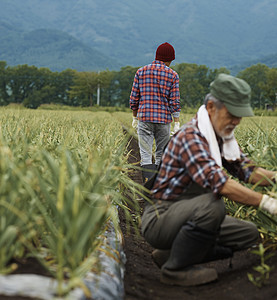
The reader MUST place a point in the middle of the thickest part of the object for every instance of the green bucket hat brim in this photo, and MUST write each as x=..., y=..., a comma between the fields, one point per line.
x=241, y=111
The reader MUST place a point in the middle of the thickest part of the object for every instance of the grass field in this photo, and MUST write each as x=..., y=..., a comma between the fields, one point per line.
x=61, y=175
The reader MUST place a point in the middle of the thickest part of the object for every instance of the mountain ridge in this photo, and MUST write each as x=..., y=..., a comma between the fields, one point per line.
x=51, y=48
x=216, y=34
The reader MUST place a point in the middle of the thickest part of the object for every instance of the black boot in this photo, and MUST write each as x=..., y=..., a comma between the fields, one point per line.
x=190, y=246
x=218, y=252
x=160, y=256
x=148, y=171
x=215, y=253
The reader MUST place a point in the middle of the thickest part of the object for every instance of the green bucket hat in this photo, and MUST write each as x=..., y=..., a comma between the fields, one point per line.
x=234, y=92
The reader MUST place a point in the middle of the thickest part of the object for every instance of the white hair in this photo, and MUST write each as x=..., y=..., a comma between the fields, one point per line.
x=209, y=97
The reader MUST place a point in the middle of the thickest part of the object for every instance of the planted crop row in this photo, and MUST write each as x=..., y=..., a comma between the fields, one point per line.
x=61, y=176
x=257, y=136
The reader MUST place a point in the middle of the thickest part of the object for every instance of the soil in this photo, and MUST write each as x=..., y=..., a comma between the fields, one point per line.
x=142, y=276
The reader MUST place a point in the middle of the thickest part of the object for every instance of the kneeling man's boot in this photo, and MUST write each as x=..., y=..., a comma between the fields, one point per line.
x=218, y=252
x=215, y=253
x=160, y=256
x=190, y=246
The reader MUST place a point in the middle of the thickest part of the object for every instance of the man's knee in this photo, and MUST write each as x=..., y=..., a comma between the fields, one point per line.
x=212, y=214
x=250, y=235
x=238, y=234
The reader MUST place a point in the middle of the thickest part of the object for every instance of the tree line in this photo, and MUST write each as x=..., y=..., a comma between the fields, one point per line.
x=32, y=86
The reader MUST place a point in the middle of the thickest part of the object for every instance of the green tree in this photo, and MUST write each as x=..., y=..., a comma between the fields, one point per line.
x=270, y=88
x=256, y=76
x=4, y=96
x=195, y=81
x=63, y=82
x=191, y=82
x=22, y=81
x=123, y=85
x=109, y=91
x=84, y=86
x=38, y=97
x=214, y=73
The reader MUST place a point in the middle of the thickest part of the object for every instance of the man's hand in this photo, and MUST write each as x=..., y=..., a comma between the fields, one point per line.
x=269, y=204
x=176, y=127
x=135, y=123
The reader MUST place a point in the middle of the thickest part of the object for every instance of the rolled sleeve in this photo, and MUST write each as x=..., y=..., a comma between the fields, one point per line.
x=241, y=169
x=174, y=96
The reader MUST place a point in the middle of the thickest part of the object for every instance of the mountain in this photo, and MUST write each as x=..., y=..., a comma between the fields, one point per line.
x=50, y=48
x=269, y=60
x=215, y=33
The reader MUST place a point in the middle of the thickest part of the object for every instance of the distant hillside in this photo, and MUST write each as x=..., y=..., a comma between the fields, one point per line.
x=269, y=60
x=54, y=49
x=214, y=33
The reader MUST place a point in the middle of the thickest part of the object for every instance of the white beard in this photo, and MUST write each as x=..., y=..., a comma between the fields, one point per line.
x=227, y=136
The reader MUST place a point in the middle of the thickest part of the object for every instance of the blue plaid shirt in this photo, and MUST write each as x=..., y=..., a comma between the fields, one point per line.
x=155, y=93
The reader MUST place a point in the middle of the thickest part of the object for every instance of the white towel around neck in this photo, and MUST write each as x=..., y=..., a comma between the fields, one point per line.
x=230, y=150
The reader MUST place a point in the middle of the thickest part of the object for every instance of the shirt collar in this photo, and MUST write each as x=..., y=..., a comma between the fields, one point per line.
x=158, y=62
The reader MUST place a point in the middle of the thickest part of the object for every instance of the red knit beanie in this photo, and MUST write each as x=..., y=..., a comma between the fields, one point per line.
x=165, y=52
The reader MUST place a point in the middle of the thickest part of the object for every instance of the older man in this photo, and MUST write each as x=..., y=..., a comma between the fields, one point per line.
x=188, y=216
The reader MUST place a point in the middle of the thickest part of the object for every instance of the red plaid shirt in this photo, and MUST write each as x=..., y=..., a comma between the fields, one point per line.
x=187, y=159
x=155, y=93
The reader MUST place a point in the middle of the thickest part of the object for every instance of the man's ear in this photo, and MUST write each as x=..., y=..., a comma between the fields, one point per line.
x=210, y=106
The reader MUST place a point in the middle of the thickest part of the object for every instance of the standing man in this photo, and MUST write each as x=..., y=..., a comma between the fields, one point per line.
x=188, y=216
x=155, y=99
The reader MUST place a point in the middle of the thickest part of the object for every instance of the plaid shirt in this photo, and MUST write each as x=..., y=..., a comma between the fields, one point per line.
x=187, y=159
x=155, y=93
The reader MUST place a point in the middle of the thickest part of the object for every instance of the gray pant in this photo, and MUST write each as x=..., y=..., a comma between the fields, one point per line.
x=161, y=222
x=147, y=132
